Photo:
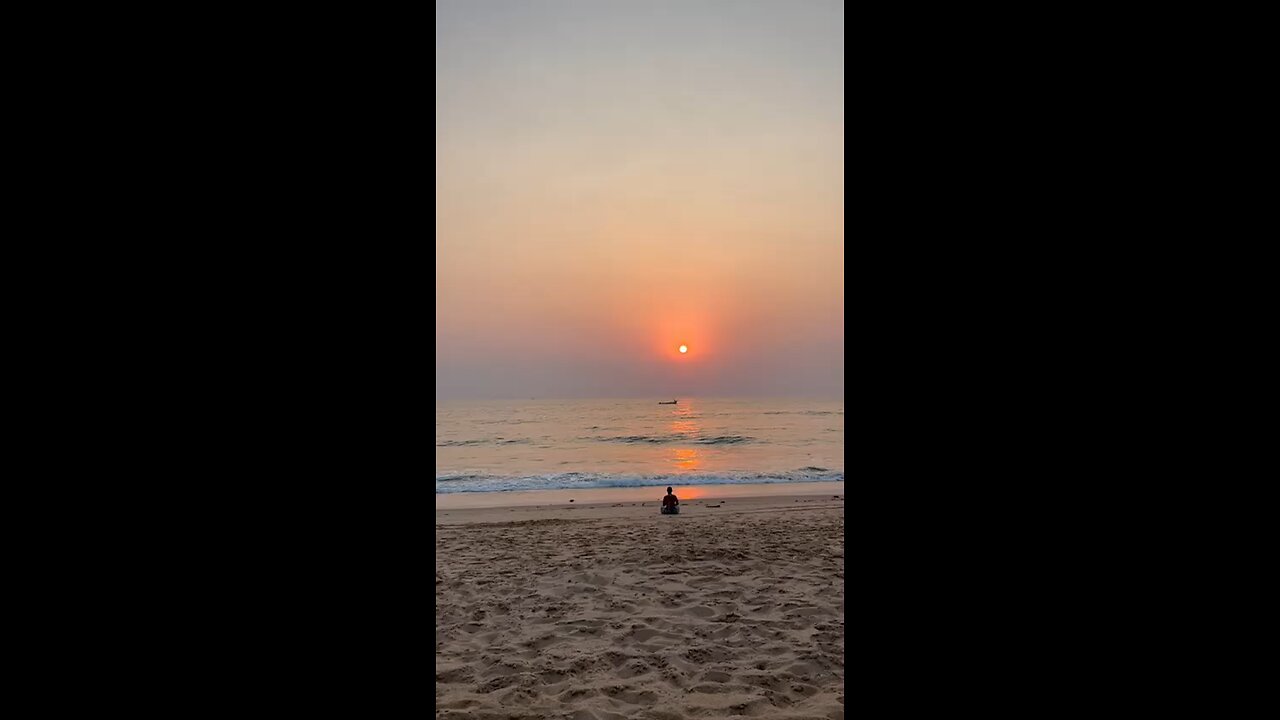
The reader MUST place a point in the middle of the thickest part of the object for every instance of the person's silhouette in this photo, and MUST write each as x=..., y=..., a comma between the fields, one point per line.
x=670, y=504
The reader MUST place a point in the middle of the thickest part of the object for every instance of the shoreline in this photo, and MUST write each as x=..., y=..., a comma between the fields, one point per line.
x=635, y=503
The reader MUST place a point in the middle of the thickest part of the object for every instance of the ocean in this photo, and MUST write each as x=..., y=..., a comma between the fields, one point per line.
x=503, y=445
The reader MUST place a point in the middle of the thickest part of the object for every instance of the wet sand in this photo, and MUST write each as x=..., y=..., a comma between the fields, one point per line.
x=606, y=610
x=605, y=502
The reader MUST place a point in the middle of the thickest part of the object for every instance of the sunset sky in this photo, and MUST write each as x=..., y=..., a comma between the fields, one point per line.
x=617, y=178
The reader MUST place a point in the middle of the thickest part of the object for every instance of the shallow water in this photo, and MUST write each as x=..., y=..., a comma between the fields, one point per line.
x=487, y=446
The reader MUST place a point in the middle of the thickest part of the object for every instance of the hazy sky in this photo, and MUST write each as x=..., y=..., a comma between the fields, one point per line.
x=615, y=178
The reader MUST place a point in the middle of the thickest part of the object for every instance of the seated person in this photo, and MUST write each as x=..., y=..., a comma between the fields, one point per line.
x=670, y=504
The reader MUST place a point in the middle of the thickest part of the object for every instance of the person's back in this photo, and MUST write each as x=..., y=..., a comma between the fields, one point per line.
x=670, y=504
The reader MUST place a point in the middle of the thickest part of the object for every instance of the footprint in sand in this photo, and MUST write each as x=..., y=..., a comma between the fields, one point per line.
x=645, y=634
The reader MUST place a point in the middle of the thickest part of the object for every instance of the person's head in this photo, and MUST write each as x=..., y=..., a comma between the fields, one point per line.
x=668, y=491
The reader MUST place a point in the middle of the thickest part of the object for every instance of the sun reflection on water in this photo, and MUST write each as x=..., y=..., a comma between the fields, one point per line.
x=686, y=459
x=685, y=424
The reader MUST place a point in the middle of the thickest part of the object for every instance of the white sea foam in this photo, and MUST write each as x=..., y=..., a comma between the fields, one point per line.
x=463, y=482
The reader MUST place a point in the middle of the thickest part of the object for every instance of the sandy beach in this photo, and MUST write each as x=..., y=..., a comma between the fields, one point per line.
x=605, y=610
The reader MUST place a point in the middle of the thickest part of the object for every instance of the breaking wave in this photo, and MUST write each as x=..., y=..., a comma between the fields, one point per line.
x=470, y=482
x=491, y=441
x=674, y=437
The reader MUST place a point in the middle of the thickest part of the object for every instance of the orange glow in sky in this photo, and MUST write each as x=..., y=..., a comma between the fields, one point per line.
x=658, y=178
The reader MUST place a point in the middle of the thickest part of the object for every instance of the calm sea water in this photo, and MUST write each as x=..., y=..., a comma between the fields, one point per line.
x=488, y=446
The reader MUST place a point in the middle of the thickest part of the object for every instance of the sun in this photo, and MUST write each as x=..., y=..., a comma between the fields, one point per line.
x=684, y=348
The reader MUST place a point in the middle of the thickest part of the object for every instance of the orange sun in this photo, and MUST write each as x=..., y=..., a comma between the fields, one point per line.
x=684, y=348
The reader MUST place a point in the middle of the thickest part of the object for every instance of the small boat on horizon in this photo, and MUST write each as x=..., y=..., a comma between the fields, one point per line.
x=673, y=402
